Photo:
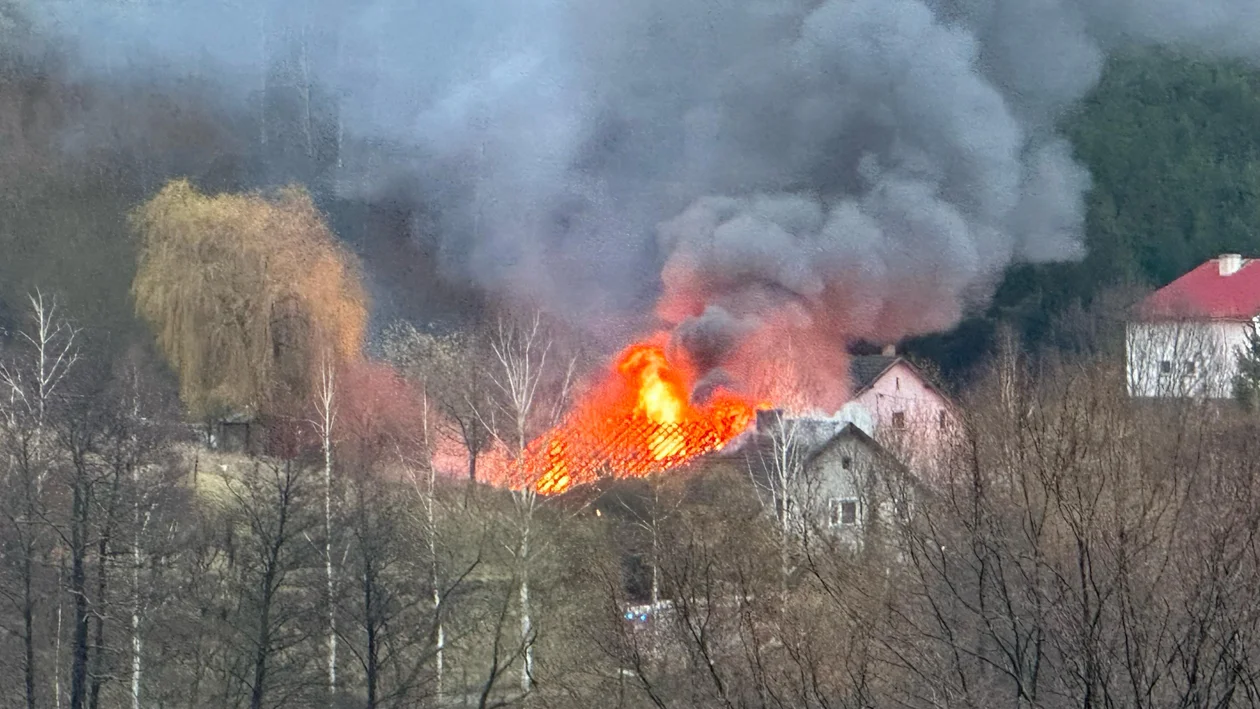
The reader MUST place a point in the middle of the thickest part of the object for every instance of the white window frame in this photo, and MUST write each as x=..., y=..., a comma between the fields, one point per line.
x=836, y=508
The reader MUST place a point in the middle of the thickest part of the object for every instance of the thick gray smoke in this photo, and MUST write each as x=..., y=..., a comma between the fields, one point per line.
x=786, y=175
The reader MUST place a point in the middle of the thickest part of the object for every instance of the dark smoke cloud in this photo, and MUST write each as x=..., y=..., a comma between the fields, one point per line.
x=786, y=175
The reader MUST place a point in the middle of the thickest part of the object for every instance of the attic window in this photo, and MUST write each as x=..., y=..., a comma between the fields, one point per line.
x=897, y=382
x=842, y=512
x=846, y=463
x=899, y=420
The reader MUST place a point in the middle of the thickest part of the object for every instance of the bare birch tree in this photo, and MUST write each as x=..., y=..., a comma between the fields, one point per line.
x=46, y=352
x=531, y=389
x=781, y=447
x=325, y=420
x=427, y=492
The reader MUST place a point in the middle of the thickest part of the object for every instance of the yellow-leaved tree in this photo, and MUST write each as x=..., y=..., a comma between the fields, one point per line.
x=247, y=295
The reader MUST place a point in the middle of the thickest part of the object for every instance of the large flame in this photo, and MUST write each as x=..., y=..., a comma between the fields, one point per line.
x=638, y=421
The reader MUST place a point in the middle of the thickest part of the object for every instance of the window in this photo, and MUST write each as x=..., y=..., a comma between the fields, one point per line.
x=846, y=463
x=1165, y=367
x=1189, y=367
x=897, y=382
x=848, y=512
x=942, y=420
x=843, y=512
x=899, y=419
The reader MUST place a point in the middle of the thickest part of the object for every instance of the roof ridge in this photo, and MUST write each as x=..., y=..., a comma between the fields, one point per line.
x=1204, y=292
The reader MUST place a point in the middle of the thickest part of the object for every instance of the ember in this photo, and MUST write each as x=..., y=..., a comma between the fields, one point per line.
x=639, y=421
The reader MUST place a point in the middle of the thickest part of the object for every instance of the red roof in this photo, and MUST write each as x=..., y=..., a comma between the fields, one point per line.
x=1204, y=293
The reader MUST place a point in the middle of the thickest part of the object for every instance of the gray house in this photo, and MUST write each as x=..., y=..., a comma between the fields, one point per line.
x=856, y=486
x=833, y=477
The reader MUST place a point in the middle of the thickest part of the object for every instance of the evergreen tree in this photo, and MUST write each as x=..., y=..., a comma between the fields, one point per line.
x=1247, y=381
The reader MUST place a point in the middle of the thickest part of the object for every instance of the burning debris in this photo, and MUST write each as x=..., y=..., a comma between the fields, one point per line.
x=638, y=421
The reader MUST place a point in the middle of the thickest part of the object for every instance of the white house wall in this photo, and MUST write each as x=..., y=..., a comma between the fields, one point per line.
x=1183, y=359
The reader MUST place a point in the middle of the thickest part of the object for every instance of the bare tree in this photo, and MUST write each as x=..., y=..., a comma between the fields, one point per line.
x=270, y=506
x=780, y=449
x=454, y=372
x=530, y=391
x=778, y=476
x=426, y=491
x=323, y=423
x=395, y=563
x=30, y=379
x=1067, y=554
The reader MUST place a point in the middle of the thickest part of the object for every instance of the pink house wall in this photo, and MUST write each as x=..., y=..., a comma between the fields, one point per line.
x=902, y=390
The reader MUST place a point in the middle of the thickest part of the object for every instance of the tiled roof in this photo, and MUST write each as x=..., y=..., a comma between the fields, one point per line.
x=864, y=370
x=1205, y=293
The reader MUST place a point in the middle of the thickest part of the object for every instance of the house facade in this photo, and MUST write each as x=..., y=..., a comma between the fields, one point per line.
x=833, y=476
x=894, y=403
x=1184, y=339
x=857, y=486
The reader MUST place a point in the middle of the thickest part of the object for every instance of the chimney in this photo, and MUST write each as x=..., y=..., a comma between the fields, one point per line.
x=1229, y=263
x=889, y=351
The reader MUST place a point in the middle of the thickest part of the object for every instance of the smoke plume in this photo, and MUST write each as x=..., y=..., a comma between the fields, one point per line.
x=779, y=176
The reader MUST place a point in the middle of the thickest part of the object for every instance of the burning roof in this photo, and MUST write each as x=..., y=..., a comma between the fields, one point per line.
x=638, y=421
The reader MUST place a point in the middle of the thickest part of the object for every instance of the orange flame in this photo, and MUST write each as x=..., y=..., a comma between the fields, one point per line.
x=638, y=421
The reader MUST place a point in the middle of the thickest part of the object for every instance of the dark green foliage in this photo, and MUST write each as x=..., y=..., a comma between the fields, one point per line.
x=1247, y=381
x=1173, y=149
x=1172, y=145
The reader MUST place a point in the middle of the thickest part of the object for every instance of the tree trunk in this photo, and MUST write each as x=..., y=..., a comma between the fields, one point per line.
x=57, y=650
x=96, y=675
x=269, y=587
x=262, y=650
x=327, y=416
x=137, y=561
x=785, y=538
x=329, y=590
x=440, y=641
x=527, y=663
x=78, y=589
x=137, y=644
x=28, y=623
x=372, y=665
x=656, y=574
x=28, y=588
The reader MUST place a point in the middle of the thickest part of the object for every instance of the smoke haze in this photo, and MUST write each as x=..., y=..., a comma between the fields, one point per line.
x=779, y=176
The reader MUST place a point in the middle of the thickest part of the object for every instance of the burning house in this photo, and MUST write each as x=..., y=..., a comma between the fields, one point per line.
x=645, y=418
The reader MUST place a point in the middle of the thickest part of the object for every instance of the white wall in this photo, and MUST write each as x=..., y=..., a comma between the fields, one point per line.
x=1183, y=359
